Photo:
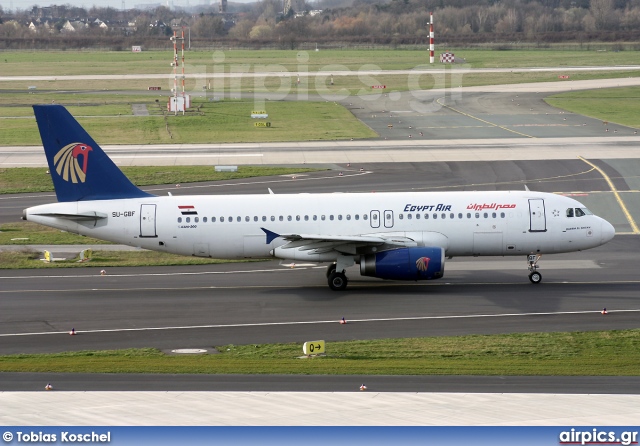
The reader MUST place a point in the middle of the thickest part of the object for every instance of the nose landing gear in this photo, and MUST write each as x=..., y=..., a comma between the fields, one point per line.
x=534, y=276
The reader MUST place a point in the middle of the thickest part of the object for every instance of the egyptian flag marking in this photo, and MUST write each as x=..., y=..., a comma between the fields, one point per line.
x=188, y=210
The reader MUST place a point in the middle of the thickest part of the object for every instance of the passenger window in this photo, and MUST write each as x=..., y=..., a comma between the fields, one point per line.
x=570, y=212
x=247, y=218
x=452, y=215
x=306, y=218
x=188, y=219
x=493, y=215
x=400, y=216
x=426, y=216
x=239, y=219
x=374, y=216
x=409, y=216
x=435, y=216
x=288, y=217
x=322, y=217
x=264, y=218
x=348, y=216
x=501, y=214
x=468, y=214
x=357, y=216
x=340, y=217
x=331, y=217
x=222, y=219
x=460, y=215
x=477, y=214
x=297, y=218
x=444, y=215
x=417, y=216
x=213, y=219
x=255, y=218
x=315, y=217
x=273, y=218
x=281, y=218
x=196, y=219
x=204, y=219
x=365, y=216
x=486, y=215
x=179, y=219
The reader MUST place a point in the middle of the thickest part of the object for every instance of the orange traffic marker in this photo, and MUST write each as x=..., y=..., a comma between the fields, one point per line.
x=340, y=174
x=604, y=311
x=343, y=321
x=48, y=387
x=102, y=272
x=363, y=387
x=72, y=332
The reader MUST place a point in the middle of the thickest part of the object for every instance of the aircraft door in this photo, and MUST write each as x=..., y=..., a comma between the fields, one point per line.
x=374, y=219
x=537, y=215
x=388, y=219
x=148, y=220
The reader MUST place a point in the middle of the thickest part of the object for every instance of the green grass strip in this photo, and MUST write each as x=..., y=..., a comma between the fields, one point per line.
x=598, y=353
x=31, y=179
x=619, y=105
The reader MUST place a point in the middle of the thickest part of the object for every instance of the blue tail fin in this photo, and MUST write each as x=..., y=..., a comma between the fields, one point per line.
x=79, y=168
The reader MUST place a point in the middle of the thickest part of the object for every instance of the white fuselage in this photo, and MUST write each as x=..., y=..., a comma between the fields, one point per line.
x=463, y=223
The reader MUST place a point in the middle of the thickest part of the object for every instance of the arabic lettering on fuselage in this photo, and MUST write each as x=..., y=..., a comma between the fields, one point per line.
x=480, y=207
x=428, y=207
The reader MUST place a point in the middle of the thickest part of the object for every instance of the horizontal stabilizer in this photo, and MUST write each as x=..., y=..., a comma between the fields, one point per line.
x=85, y=216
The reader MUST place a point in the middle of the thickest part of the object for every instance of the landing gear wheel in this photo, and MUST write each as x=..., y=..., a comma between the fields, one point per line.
x=337, y=281
x=330, y=269
x=535, y=277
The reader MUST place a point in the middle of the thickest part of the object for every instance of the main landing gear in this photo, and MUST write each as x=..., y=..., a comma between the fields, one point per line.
x=336, y=276
x=534, y=276
x=337, y=280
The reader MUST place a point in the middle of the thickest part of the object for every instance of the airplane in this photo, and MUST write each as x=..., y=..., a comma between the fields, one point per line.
x=393, y=235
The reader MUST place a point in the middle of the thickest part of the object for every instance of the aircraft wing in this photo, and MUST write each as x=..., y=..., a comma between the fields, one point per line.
x=319, y=243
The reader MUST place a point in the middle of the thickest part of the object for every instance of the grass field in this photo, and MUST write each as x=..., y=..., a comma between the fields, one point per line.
x=208, y=122
x=104, y=106
x=608, y=353
x=59, y=63
x=619, y=105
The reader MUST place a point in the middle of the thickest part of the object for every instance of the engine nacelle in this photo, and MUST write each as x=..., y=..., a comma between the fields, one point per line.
x=404, y=264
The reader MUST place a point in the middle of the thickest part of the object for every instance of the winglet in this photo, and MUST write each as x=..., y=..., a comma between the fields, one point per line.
x=79, y=168
x=271, y=236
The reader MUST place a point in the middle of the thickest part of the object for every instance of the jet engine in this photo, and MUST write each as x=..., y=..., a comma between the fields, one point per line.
x=404, y=264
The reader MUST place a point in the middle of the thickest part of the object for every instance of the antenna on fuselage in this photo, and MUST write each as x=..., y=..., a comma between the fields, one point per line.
x=526, y=188
x=270, y=191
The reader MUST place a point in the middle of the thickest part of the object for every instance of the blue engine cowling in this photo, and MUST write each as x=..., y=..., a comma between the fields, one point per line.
x=404, y=264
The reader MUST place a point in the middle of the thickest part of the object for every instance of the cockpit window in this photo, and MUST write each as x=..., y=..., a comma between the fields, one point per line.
x=579, y=212
x=570, y=212
x=586, y=211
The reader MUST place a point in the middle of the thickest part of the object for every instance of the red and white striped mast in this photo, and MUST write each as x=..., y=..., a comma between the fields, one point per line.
x=184, y=104
x=431, y=45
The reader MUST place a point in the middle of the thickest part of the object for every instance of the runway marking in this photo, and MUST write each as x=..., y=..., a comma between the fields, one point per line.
x=616, y=194
x=482, y=120
x=351, y=321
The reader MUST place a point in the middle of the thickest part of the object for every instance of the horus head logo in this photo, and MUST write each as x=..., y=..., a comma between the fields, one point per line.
x=67, y=164
x=422, y=263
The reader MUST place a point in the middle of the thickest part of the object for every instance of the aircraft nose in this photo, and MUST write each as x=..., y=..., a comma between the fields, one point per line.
x=607, y=231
